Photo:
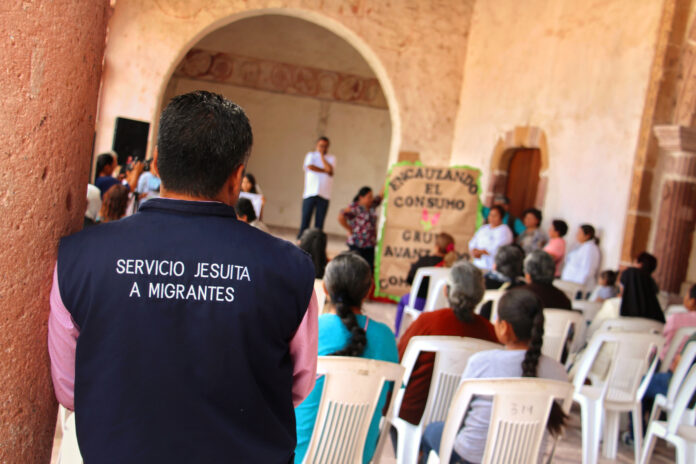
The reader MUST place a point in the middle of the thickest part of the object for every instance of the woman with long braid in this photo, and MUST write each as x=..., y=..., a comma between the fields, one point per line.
x=520, y=327
x=346, y=332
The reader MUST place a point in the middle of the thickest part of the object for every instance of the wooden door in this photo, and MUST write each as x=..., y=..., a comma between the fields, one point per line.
x=523, y=180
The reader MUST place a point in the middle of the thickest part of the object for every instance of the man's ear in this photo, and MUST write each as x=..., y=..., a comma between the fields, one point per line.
x=230, y=191
x=153, y=166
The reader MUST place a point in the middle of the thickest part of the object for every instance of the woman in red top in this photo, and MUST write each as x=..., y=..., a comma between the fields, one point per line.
x=464, y=291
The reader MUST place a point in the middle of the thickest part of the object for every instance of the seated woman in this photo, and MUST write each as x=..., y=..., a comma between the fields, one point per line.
x=582, y=264
x=533, y=238
x=347, y=332
x=443, y=255
x=538, y=272
x=506, y=274
x=464, y=291
x=249, y=185
x=557, y=245
x=679, y=320
x=520, y=327
x=488, y=238
x=638, y=299
x=114, y=204
x=313, y=241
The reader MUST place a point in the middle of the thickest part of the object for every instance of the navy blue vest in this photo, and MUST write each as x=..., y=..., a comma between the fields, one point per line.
x=185, y=318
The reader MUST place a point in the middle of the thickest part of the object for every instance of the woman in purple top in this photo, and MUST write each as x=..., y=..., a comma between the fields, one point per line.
x=360, y=220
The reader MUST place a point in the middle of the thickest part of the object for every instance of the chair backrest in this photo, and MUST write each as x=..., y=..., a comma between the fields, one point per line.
x=634, y=357
x=436, y=298
x=589, y=308
x=352, y=387
x=676, y=343
x=571, y=289
x=521, y=408
x=321, y=294
x=559, y=324
x=675, y=309
x=632, y=324
x=461, y=348
x=449, y=365
x=433, y=273
x=687, y=359
x=686, y=392
x=493, y=296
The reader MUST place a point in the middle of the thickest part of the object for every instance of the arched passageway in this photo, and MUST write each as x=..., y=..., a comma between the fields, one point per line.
x=297, y=81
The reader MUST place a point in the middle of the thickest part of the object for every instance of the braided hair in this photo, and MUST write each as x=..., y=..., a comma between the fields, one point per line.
x=523, y=310
x=348, y=279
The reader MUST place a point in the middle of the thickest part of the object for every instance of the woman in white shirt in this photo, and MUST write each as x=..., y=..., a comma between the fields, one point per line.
x=582, y=264
x=489, y=238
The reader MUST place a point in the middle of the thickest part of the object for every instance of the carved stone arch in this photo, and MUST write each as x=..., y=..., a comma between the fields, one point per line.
x=507, y=144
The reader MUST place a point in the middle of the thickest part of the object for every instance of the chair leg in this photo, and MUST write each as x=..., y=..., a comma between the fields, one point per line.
x=591, y=415
x=637, y=414
x=648, y=446
x=611, y=434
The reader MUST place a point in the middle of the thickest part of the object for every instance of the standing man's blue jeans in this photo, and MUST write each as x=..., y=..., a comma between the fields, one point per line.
x=316, y=205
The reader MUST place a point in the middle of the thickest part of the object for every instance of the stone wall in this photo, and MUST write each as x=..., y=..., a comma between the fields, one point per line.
x=50, y=68
x=578, y=70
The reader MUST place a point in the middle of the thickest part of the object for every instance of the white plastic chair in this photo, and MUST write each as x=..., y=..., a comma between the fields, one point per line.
x=521, y=408
x=627, y=379
x=437, y=299
x=679, y=337
x=557, y=329
x=571, y=289
x=69, y=452
x=494, y=297
x=589, y=308
x=435, y=275
x=674, y=430
x=451, y=356
x=666, y=402
x=632, y=324
x=352, y=387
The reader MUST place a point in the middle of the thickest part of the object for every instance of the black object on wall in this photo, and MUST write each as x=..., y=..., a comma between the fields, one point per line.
x=130, y=139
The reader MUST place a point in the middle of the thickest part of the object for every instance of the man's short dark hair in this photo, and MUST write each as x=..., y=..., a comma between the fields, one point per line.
x=244, y=207
x=202, y=139
x=325, y=139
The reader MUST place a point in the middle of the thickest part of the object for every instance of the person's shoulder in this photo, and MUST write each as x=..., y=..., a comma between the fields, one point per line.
x=486, y=357
x=382, y=330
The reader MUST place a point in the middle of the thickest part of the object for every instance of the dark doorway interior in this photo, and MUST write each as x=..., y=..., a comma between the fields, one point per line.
x=523, y=180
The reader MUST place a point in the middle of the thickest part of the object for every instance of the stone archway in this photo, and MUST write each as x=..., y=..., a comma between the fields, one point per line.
x=520, y=137
x=328, y=87
x=315, y=18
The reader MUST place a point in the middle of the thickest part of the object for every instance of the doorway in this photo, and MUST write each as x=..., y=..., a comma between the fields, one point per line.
x=523, y=180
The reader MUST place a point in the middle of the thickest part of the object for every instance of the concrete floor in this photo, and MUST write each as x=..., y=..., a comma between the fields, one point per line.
x=569, y=448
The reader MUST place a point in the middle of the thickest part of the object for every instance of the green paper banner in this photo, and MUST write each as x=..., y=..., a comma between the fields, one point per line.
x=420, y=202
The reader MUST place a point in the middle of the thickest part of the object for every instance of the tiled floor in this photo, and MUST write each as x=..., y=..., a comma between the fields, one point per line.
x=568, y=450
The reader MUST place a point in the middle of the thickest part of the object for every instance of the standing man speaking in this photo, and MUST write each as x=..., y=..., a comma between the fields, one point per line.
x=181, y=334
x=319, y=171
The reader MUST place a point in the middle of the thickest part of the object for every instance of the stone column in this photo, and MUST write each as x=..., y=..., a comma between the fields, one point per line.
x=50, y=68
x=677, y=214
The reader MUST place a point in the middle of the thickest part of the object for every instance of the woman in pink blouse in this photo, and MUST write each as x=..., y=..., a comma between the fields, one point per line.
x=557, y=246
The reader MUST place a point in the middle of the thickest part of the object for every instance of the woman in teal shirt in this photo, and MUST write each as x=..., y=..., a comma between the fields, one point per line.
x=346, y=332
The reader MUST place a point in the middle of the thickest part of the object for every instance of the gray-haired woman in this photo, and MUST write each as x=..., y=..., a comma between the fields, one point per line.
x=464, y=291
x=539, y=270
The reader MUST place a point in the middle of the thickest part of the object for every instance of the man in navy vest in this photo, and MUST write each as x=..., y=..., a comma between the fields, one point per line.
x=181, y=334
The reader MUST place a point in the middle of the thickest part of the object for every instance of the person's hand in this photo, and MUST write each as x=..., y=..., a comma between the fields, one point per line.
x=134, y=174
x=476, y=253
x=485, y=252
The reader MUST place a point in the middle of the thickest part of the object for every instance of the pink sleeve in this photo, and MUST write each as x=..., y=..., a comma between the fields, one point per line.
x=303, y=351
x=671, y=326
x=62, y=341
